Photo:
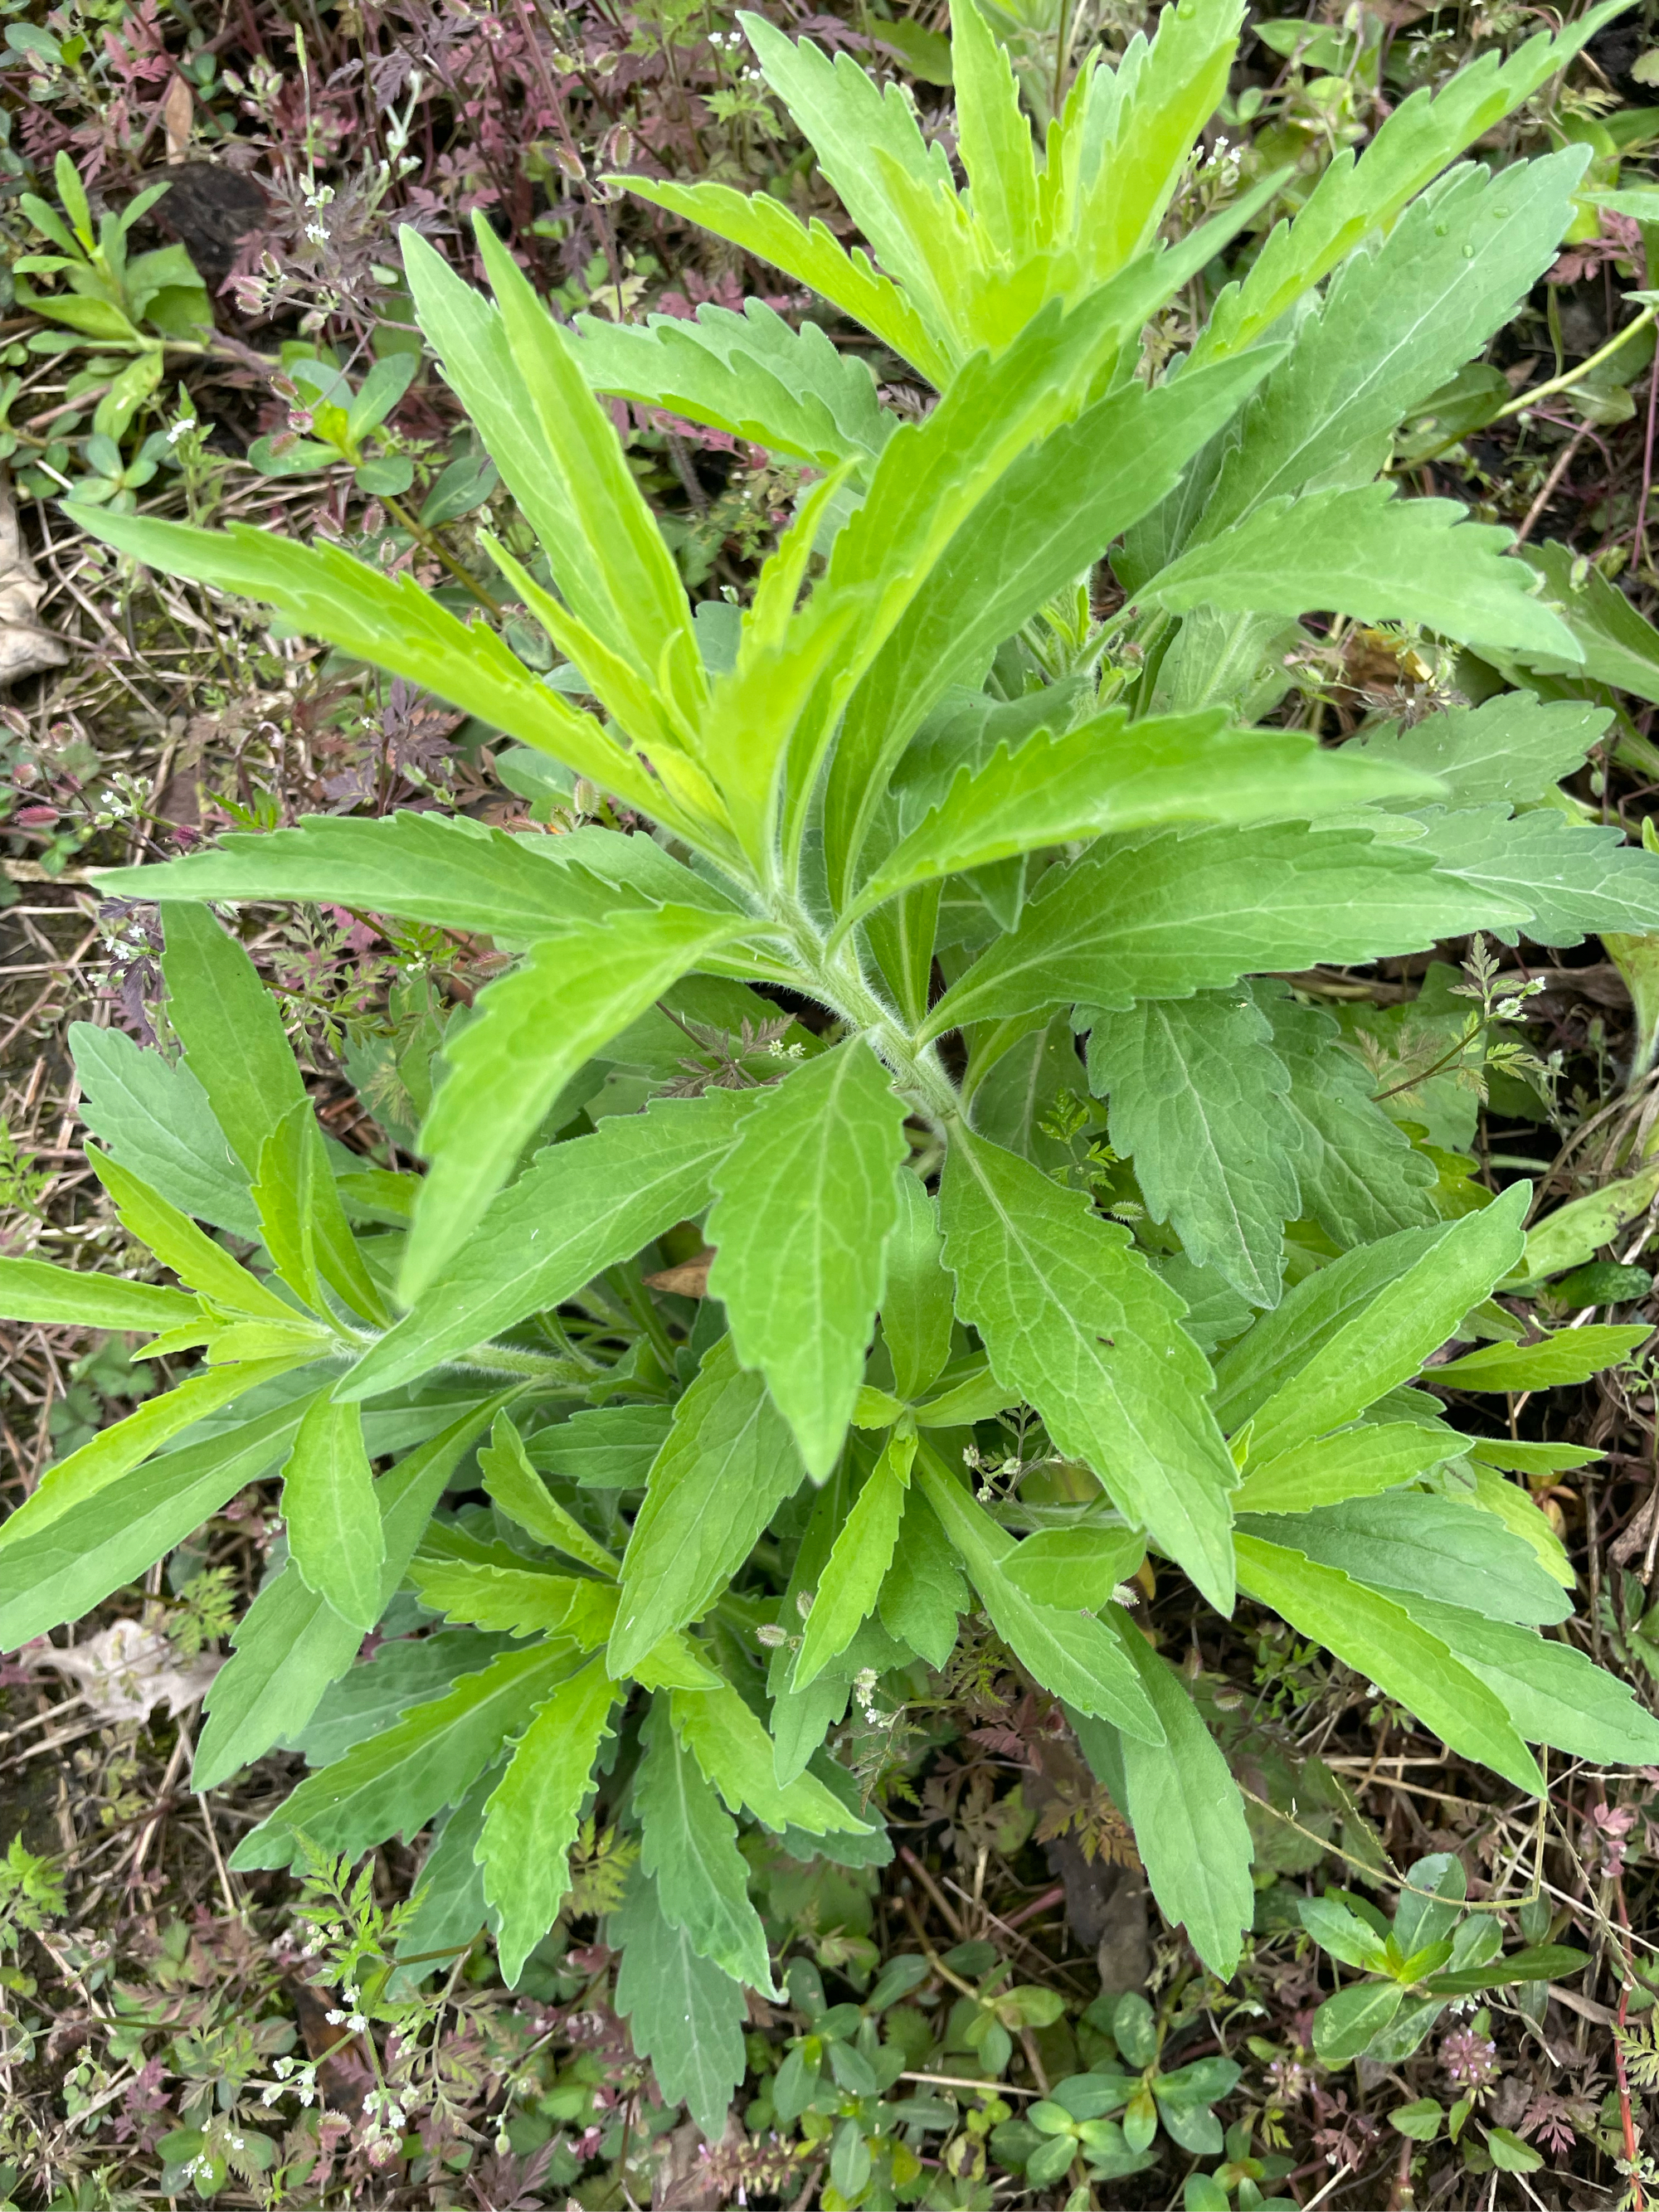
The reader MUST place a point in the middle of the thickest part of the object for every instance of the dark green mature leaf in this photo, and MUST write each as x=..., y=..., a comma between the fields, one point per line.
x=924, y=1594
x=1377, y=1637
x=1077, y=1323
x=684, y=2012
x=1365, y=553
x=1434, y=1545
x=729, y=1462
x=1507, y=751
x=332, y=1514
x=287, y=1647
x=59, y=1572
x=1198, y=1098
x=1073, y=1654
x=530, y=1032
x=530, y=1821
x=1359, y=1176
x=1574, y=876
x=401, y=1671
x=688, y=1846
x=444, y=869
x=1569, y=1355
x=36, y=1290
x=751, y=374
x=804, y=1202
x=579, y=1207
x=1188, y=1815
x=394, y=1782
x=1165, y=915
x=1619, y=645
x=1389, y=1337
x=155, y=1117
x=1553, y=1692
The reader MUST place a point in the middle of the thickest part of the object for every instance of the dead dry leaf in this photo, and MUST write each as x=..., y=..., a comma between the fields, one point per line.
x=125, y=1670
x=26, y=645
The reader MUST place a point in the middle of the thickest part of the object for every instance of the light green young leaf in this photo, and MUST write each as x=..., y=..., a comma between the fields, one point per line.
x=1071, y=1653
x=804, y=1202
x=1360, y=1175
x=1353, y=1464
x=1509, y=751
x=994, y=138
x=1362, y=552
x=332, y=1515
x=1110, y=775
x=1553, y=1693
x=1076, y=1568
x=177, y=1243
x=1186, y=1811
x=1388, y=1337
x=734, y=1750
x=530, y=1822
x=515, y=1486
x=916, y=1304
x=530, y=1032
x=290, y=1644
x=729, y=1463
x=59, y=1571
x=857, y=1566
x=1198, y=1098
x=1411, y=1541
x=521, y=1601
x=688, y=1846
x=1514, y=1506
x=1162, y=915
x=36, y=1290
x=304, y=1222
x=924, y=1594
x=1076, y=1323
x=393, y=1783
x=1377, y=1637
x=153, y=1117
x=1347, y=2022
x=684, y=2012
x=748, y=374
x=578, y=1208
x=1568, y=1355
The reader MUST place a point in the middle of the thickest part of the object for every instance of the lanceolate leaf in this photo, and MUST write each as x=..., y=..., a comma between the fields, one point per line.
x=1571, y=1355
x=734, y=1750
x=1357, y=1462
x=333, y=1517
x=36, y=1290
x=177, y=1242
x=805, y=1203
x=154, y=1117
x=1435, y=1545
x=1376, y=1637
x=916, y=1304
x=684, y=2012
x=1199, y=1099
x=1572, y=877
x=856, y=1567
x=530, y=1822
x=521, y=1494
x=528, y=1034
x=688, y=1846
x=729, y=1463
x=1076, y=1323
x=579, y=1207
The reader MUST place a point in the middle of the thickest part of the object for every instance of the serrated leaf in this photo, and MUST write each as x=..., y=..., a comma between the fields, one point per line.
x=1198, y=1098
x=748, y=374
x=1362, y=552
x=1508, y=752
x=1378, y=1637
x=403, y=1671
x=1553, y=1692
x=530, y=1821
x=1393, y=1331
x=1412, y=1541
x=916, y=1301
x=332, y=1516
x=1514, y=1508
x=1619, y=645
x=853, y=1575
x=395, y=1782
x=154, y=1117
x=304, y=1223
x=729, y=1462
x=1076, y=1323
x=1166, y=915
x=177, y=1243
x=36, y=1290
x=734, y=1750
x=1072, y=1654
x=515, y=1486
x=993, y=137
x=290, y=1644
x=688, y=1846
x=530, y=1032
x=523, y=1600
x=1567, y=1355
x=924, y=1594
x=59, y=1572
x=1076, y=1568
x=1187, y=1814
x=684, y=2012
x=1353, y=1464
x=1573, y=876
x=577, y=1209
x=804, y=1202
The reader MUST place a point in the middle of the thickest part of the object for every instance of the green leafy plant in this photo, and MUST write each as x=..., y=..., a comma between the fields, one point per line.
x=916, y=789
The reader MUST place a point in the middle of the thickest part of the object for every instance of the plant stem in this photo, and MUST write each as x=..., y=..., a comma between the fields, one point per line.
x=1574, y=375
